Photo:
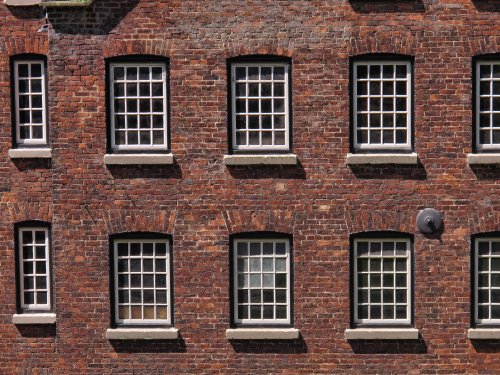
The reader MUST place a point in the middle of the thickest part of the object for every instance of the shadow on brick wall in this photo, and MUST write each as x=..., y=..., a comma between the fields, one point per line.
x=31, y=164
x=486, y=172
x=388, y=346
x=487, y=5
x=387, y=6
x=149, y=346
x=99, y=19
x=270, y=346
x=296, y=172
x=145, y=171
x=27, y=13
x=389, y=172
x=37, y=331
x=486, y=346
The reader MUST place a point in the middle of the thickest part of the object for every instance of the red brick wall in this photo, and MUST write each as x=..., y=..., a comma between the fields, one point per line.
x=200, y=201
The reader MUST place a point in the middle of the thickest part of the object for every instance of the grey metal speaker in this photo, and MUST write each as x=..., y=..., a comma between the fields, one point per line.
x=429, y=221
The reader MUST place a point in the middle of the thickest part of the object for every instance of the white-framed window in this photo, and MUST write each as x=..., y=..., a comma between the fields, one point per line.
x=382, y=105
x=260, y=96
x=142, y=281
x=138, y=99
x=382, y=281
x=488, y=105
x=262, y=281
x=487, y=280
x=34, y=268
x=30, y=97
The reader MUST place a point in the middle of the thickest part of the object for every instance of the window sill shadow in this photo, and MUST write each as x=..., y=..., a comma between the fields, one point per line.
x=296, y=346
x=387, y=6
x=149, y=346
x=284, y=172
x=388, y=346
x=389, y=171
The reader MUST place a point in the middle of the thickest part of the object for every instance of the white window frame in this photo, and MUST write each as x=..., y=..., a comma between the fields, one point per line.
x=138, y=64
x=145, y=322
x=480, y=146
x=383, y=322
x=262, y=321
x=31, y=141
x=409, y=110
x=476, y=285
x=35, y=307
x=263, y=148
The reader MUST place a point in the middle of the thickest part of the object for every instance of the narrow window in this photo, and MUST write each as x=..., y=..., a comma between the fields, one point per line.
x=34, y=269
x=30, y=102
x=260, y=106
x=488, y=105
x=382, y=100
x=138, y=99
x=142, y=281
x=262, y=281
x=487, y=280
x=382, y=281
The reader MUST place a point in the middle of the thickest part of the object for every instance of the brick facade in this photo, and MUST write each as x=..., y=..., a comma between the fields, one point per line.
x=200, y=202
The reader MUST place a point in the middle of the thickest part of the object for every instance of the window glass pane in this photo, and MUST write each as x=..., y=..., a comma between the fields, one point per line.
x=142, y=275
x=259, y=281
x=259, y=92
x=145, y=80
x=381, y=281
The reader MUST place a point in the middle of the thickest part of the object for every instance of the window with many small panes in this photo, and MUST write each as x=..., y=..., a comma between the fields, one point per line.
x=382, y=103
x=138, y=105
x=488, y=105
x=487, y=280
x=34, y=269
x=142, y=281
x=260, y=106
x=30, y=102
x=382, y=279
x=262, y=281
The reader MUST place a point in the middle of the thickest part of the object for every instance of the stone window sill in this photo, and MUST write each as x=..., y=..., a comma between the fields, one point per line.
x=138, y=159
x=34, y=318
x=405, y=159
x=262, y=334
x=23, y=3
x=275, y=159
x=142, y=333
x=30, y=153
x=475, y=159
x=381, y=334
x=484, y=333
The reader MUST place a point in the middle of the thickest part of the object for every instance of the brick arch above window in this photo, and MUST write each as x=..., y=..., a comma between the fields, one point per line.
x=27, y=212
x=245, y=221
x=253, y=48
x=34, y=45
x=125, y=221
x=359, y=221
x=484, y=221
x=120, y=48
x=405, y=44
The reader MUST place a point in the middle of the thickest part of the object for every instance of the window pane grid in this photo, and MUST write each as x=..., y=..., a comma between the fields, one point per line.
x=382, y=105
x=139, y=106
x=262, y=281
x=30, y=102
x=34, y=269
x=488, y=105
x=382, y=281
x=142, y=282
x=487, y=281
x=260, y=106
